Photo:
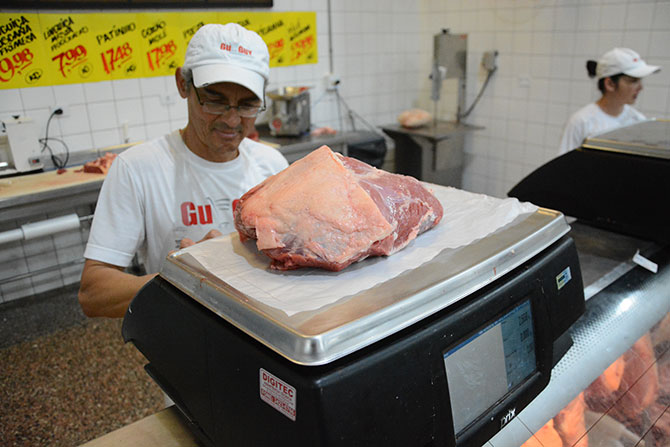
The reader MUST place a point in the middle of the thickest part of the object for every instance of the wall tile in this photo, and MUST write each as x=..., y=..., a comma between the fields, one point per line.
x=75, y=121
x=155, y=85
x=79, y=142
x=639, y=16
x=43, y=282
x=588, y=17
x=105, y=138
x=661, y=20
x=14, y=262
x=638, y=40
x=658, y=45
x=99, y=91
x=565, y=18
x=129, y=111
x=102, y=116
x=613, y=17
x=37, y=97
x=69, y=95
x=16, y=289
x=11, y=103
x=126, y=88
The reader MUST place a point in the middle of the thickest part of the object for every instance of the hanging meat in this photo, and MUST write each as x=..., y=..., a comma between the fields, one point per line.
x=329, y=211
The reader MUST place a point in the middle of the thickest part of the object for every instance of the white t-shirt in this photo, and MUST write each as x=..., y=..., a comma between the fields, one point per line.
x=590, y=120
x=157, y=193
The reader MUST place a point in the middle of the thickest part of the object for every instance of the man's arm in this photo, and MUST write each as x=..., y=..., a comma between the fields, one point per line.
x=106, y=290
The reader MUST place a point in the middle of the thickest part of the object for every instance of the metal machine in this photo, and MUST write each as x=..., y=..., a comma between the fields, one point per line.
x=445, y=354
x=449, y=62
x=290, y=111
x=19, y=147
x=434, y=153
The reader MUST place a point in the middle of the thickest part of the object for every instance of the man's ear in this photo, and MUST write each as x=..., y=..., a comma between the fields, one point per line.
x=182, y=85
x=610, y=85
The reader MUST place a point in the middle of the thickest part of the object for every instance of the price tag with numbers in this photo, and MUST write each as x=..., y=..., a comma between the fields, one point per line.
x=116, y=48
x=68, y=43
x=22, y=58
x=56, y=48
x=164, y=39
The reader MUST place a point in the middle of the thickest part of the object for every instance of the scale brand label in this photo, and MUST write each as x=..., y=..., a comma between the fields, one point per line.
x=277, y=393
x=563, y=278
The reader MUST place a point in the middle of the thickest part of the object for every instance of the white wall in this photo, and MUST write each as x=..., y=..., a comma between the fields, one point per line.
x=546, y=43
x=382, y=53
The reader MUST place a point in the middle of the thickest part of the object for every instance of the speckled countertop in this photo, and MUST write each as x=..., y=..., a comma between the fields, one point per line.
x=66, y=379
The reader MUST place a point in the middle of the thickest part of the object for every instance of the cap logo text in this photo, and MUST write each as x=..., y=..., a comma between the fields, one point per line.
x=240, y=49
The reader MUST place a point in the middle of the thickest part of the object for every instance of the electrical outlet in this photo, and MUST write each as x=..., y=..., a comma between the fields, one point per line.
x=489, y=60
x=331, y=81
x=63, y=107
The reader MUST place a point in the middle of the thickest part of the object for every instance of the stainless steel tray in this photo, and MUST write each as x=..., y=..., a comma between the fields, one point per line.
x=647, y=138
x=323, y=335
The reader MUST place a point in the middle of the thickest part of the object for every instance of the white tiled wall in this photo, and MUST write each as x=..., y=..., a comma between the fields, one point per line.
x=542, y=77
x=381, y=51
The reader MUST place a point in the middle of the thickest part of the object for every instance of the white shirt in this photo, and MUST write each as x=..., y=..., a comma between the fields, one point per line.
x=157, y=193
x=591, y=120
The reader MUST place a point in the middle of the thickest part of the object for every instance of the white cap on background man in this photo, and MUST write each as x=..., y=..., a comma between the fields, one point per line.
x=623, y=60
x=228, y=53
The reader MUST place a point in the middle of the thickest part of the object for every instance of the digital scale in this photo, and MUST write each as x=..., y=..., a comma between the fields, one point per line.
x=445, y=354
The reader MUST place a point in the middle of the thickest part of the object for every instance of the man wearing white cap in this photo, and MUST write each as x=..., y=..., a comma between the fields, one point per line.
x=619, y=73
x=169, y=192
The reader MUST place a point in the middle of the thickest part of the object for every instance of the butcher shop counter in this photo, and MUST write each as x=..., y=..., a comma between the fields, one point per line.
x=625, y=303
x=24, y=196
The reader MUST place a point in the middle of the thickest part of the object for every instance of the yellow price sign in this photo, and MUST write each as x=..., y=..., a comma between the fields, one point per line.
x=116, y=46
x=164, y=40
x=302, y=40
x=291, y=38
x=62, y=48
x=22, y=58
x=67, y=44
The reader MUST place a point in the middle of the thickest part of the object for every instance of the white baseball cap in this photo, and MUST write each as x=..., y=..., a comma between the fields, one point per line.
x=623, y=60
x=228, y=53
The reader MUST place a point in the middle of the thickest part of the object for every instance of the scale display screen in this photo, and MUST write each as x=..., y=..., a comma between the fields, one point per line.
x=482, y=369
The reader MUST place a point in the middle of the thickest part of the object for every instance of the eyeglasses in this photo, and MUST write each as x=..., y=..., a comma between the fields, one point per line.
x=219, y=108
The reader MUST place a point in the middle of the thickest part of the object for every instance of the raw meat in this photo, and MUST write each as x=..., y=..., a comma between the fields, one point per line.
x=569, y=423
x=101, y=164
x=329, y=211
x=414, y=118
x=547, y=436
x=638, y=388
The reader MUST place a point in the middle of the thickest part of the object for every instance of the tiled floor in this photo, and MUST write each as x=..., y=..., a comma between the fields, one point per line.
x=66, y=379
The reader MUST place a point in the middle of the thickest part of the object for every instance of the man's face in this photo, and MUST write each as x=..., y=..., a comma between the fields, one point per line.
x=217, y=136
x=627, y=89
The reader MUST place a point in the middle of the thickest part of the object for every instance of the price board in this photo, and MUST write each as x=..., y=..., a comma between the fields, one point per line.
x=64, y=48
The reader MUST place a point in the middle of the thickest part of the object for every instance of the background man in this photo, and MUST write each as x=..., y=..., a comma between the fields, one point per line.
x=169, y=192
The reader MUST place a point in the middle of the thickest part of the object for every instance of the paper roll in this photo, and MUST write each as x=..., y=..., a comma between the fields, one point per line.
x=50, y=226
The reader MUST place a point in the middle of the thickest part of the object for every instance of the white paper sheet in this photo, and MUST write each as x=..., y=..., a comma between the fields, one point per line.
x=467, y=218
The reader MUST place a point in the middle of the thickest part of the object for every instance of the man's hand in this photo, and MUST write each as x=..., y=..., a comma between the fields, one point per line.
x=187, y=242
